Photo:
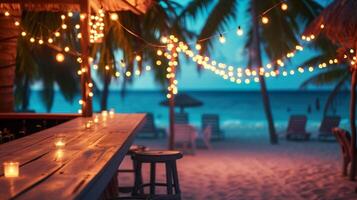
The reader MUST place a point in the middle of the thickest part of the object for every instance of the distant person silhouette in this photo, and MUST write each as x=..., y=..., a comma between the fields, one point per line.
x=317, y=104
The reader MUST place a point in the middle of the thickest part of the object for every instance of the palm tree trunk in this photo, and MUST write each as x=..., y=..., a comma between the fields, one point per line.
x=258, y=61
x=353, y=123
x=105, y=93
x=8, y=42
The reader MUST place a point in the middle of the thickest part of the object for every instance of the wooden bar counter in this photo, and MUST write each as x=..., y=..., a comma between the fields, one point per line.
x=81, y=170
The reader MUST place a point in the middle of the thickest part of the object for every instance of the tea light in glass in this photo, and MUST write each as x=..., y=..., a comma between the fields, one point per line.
x=59, y=154
x=96, y=120
x=104, y=113
x=11, y=169
x=111, y=112
x=60, y=141
x=88, y=125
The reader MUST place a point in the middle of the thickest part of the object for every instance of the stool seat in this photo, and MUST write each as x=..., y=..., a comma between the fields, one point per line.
x=134, y=148
x=157, y=156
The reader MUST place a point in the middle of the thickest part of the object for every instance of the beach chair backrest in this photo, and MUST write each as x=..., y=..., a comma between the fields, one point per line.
x=181, y=118
x=207, y=133
x=344, y=139
x=328, y=123
x=149, y=125
x=211, y=120
x=183, y=133
x=297, y=123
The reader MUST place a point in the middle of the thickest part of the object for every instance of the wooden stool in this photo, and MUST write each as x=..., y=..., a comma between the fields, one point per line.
x=169, y=159
x=133, y=148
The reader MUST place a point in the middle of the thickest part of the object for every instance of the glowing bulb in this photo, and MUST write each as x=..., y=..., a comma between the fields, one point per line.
x=148, y=68
x=322, y=26
x=60, y=57
x=7, y=14
x=32, y=40
x=158, y=62
x=40, y=41
x=164, y=39
x=117, y=74
x=159, y=52
x=128, y=74
x=284, y=6
x=77, y=26
x=23, y=33
x=57, y=34
x=66, y=49
x=222, y=39
x=138, y=58
x=50, y=40
x=80, y=102
x=265, y=20
x=198, y=47
x=70, y=14
x=63, y=17
x=239, y=31
x=90, y=85
x=114, y=16
x=90, y=94
x=17, y=23
x=64, y=26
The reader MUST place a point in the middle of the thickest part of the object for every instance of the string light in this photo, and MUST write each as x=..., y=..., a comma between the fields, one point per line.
x=239, y=31
x=59, y=57
x=265, y=20
x=284, y=6
x=222, y=39
x=114, y=16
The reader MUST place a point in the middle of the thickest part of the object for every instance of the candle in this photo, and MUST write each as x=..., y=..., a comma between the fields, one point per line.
x=111, y=112
x=11, y=169
x=59, y=154
x=104, y=113
x=88, y=125
x=96, y=120
x=60, y=141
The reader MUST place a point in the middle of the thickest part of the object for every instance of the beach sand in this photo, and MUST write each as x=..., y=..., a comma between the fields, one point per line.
x=250, y=168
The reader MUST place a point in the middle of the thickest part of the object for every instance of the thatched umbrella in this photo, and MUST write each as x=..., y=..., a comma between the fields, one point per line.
x=183, y=100
x=9, y=34
x=338, y=22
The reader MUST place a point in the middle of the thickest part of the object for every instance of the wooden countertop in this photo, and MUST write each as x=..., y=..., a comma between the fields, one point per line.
x=90, y=159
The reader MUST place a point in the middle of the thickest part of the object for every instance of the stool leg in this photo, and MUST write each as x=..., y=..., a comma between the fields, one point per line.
x=168, y=167
x=138, y=179
x=176, y=181
x=152, y=177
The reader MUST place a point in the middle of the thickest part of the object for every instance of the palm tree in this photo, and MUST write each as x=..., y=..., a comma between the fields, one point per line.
x=273, y=39
x=37, y=63
x=118, y=38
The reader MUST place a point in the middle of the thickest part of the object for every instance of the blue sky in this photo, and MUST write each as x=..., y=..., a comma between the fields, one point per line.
x=232, y=52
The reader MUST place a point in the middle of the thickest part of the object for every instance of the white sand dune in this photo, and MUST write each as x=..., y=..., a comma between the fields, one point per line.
x=249, y=169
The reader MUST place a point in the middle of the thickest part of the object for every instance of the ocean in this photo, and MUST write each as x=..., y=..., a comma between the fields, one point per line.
x=241, y=112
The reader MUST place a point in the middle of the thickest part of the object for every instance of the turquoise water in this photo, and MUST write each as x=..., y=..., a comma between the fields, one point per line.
x=240, y=112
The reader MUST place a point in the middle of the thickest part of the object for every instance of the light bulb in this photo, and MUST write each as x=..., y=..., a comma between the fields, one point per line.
x=23, y=33
x=60, y=57
x=265, y=20
x=114, y=16
x=198, y=47
x=284, y=6
x=138, y=58
x=66, y=49
x=32, y=40
x=239, y=31
x=222, y=39
x=50, y=40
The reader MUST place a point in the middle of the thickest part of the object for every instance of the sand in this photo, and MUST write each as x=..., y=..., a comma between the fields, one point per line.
x=249, y=169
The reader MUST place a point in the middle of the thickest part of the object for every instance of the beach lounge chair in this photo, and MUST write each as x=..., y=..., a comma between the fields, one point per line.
x=185, y=137
x=181, y=118
x=344, y=139
x=149, y=129
x=212, y=120
x=327, y=124
x=297, y=128
x=204, y=139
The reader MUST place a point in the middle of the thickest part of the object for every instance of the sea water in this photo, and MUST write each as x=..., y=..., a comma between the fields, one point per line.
x=241, y=112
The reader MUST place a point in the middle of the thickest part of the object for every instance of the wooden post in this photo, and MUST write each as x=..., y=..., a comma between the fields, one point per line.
x=172, y=105
x=87, y=109
x=353, y=122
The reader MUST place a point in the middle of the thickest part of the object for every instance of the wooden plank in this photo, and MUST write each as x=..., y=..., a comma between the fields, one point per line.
x=91, y=160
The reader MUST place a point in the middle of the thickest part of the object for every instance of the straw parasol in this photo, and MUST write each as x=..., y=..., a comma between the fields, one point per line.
x=8, y=38
x=338, y=22
x=183, y=101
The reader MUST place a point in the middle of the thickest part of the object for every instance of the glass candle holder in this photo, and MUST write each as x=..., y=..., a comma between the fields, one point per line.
x=11, y=169
x=104, y=113
x=96, y=119
x=60, y=141
x=111, y=112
